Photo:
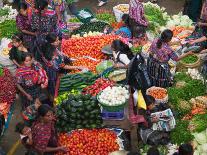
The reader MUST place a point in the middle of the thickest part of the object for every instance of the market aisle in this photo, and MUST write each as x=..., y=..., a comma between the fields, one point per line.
x=172, y=6
x=10, y=137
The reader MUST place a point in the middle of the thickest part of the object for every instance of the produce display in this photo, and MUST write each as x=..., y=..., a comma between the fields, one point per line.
x=114, y=96
x=7, y=13
x=78, y=112
x=89, y=63
x=87, y=34
x=87, y=50
x=99, y=85
x=117, y=75
x=200, y=143
x=155, y=15
x=190, y=59
x=58, y=100
x=123, y=8
x=182, y=32
x=8, y=28
x=8, y=87
x=89, y=142
x=157, y=92
x=95, y=26
x=76, y=81
x=106, y=17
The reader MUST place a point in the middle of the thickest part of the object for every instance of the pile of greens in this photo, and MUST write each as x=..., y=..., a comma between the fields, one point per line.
x=4, y=11
x=190, y=59
x=7, y=29
x=180, y=134
x=198, y=123
x=155, y=16
x=192, y=89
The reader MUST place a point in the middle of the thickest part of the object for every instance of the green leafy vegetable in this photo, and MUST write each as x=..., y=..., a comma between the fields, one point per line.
x=190, y=59
x=106, y=17
x=7, y=29
x=137, y=49
x=4, y=12
x=181, y=134
x=198, y=123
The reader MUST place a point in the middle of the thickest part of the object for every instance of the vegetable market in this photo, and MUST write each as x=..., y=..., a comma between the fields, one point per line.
x=129, y=79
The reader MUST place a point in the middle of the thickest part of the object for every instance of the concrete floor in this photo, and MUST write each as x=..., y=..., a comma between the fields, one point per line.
x=10, y=137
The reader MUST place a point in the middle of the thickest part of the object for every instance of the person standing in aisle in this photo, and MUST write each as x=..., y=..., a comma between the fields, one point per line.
x=157, y=64
x=138, y=21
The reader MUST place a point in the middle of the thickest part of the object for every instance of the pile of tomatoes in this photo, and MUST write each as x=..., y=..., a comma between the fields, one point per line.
x=88, y=63
x=90, y=46
x=99, y=85
x=89, y=142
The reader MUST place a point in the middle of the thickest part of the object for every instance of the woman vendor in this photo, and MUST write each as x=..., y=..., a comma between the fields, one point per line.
x=55, y=61
x=23, y=24
x=137, y=20
x=121, y=54
x=31, y=78
x=44, y=135
x=15, y=54
x=160, y=54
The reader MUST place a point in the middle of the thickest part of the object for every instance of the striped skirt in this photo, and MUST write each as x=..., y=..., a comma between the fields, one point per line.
x=159, y=73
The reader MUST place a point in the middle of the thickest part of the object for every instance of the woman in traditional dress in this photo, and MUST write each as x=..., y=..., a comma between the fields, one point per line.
x=44, y=135
x=23, y=24
x=138, y=21
x=31, y=78
x=160, y=54
x=55, y=61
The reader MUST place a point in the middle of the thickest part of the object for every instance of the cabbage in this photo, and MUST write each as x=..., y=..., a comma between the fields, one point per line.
x=196, y=152
x=200, y=137
x=204, y=148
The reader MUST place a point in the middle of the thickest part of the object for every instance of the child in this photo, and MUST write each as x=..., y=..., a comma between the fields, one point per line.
x=30, y=113
x=25, y=135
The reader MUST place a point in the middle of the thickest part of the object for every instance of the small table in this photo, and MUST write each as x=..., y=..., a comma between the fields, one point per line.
x=126, y=125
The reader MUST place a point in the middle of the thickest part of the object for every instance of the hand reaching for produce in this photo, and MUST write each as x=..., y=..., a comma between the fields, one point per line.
x=63, y=149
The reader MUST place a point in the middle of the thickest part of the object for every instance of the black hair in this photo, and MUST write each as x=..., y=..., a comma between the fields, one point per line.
x=133, y=153
x=153, y=151
x=45, y=100
x=125, y=19
x=120, y=46
x=166, y=36
x=22, y=6
x=49, y=49
x=149, y=100
x=25, y=55
x=41, y=4
x=17, y=37
x=185, y=149
x=19, y=127
x=44, y=109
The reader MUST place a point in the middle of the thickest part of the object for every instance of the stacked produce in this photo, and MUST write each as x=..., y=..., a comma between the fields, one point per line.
x=156, y=16
x=7, y=22
x=87, y=34
x=88, y=62
x=160, y=94
x=113, y=97
x=78, y=112
x=190, y=59
x=87, y=49
x=95, y=26
x=123, y=8
x=76, y=81
x=89, y=142
x=64, y=96
x=99, y=85
x=8, y=87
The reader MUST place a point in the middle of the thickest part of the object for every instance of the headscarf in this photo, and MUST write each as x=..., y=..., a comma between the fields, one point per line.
x=134, y=3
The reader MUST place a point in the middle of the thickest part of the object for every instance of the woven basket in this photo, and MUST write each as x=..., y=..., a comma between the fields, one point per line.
x=192, y=65
x=158, y=101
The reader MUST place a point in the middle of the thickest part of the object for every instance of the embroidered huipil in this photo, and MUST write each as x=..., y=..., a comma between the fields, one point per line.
x=136, y=12
x=164, y=53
